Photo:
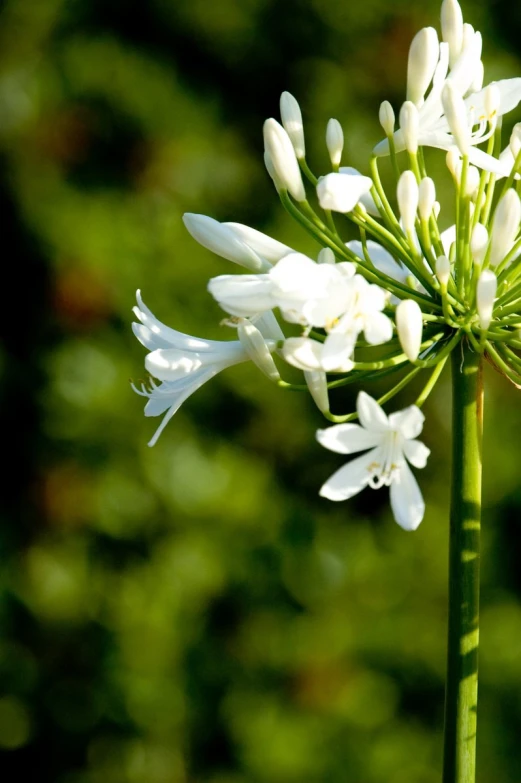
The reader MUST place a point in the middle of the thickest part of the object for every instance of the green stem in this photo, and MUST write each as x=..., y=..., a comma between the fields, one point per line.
x=462, y=659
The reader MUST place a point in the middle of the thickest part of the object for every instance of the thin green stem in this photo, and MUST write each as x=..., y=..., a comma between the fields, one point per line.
x=459, y=764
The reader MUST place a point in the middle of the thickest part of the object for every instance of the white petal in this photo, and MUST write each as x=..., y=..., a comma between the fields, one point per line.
x=409, y=421
x=342, y=192
x=378, y=329
x=348, y=438
x=167, y=336
x=382, y=259
x=510, y=95
x=487, y=162
x=448, y=237
x=242, y=295
x=337, y=352
x=406, y=499
x=268, y=326
x=351, y=478
x=366, y=199
x=304, y=353
x=371, y=415
x=316, y=381
x=416, y=452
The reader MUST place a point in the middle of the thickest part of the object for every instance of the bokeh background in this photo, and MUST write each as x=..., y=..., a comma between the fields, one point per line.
x=194, y=613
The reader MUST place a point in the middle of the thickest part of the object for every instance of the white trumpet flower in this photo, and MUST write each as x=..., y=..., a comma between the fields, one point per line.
x=392, y=443
x=184, y=363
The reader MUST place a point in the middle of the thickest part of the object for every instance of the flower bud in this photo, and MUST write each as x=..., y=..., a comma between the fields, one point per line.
x=479, y=243
x=515, y=140
x=443, y=269
x=220, y=239
x=427, y=198
x=436, y=208
x=334, y=141
x=283, y=160
x=342, y=192
x=505, y=226
x=409, y=325
x=452, y=159
x=410, y=126
x=477, y=84
x=423, y=58
x=387, y=118
x=326, y=256
x=452, y=27
x=471, y=180
x=265, y=246
x=255, y=346
x=408, y=196
x=292, y=121
x=456, y=116
x=485, y=297
x=317, y=384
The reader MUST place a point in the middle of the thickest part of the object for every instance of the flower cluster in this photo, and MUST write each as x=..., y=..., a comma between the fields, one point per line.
x=397, y=300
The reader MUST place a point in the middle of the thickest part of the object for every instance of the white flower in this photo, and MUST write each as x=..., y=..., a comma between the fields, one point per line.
x=392, y=443
x=465, y=66
x=183, y=363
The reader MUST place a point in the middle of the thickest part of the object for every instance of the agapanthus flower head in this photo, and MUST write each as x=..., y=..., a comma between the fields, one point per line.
x=398, y=298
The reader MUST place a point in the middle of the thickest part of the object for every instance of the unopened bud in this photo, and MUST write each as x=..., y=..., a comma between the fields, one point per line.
x=410, y=126
x=423, y=58
x=257, y=349
x=342, y=192
x=427, y=198
x=452, y=159
x=262, y=244
x=408, y=196
x=326, y=256
x=387, y=118
x=505, y=226
x=334, y=141
x=283, y=160
x=443, y=269
x=515, y=140
x=477, y=82
x=479, y=243
x=456, y=115
x=471, y=179
x=409, y=325
x=436, y=209
x=220, y=239
x=485, y=297
x=291, y=117
x=317, y=384
x=452, y=27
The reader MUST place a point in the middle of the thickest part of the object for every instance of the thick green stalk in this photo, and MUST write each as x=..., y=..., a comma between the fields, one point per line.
x=459, y=765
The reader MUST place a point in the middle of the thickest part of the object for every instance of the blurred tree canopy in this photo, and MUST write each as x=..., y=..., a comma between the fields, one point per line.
x=194, y=613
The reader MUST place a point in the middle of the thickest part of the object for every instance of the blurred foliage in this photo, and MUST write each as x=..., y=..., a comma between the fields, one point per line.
x=195, y=613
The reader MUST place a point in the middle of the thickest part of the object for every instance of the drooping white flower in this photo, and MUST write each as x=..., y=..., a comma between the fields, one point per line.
x=341, y=192
x=183, y=363
x=265, y=246
x=392, y=443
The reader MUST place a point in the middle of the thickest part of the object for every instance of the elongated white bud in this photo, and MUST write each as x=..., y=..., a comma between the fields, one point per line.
x=479, y=243
x=427, y=198
x=443, y=269
x=387, y=118
x=408, y=195
x=257, y=349
x=471, y=181
x=436, y=209
x=452, y=27
x=326, y=256
x=283, y=159
x=485, y=297
x=456, y=116
x=291, y=117
x=505, y=226
x=409, y=325
x=342, y=192
x=334, y=141
x=317, y=384
x=222, y=240
x=515, y=140
x=452, y=159
x=410, y=125
x=423, y=58
x=477, y=84
x=265, y=246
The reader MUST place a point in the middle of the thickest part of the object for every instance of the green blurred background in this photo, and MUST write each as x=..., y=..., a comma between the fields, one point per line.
x=194, y=613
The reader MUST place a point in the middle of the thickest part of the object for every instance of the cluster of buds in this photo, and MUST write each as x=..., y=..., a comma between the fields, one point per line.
x=397, y=300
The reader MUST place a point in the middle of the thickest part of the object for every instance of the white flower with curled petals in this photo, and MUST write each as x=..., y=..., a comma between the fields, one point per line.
x=183, y=363
x=390, y=444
